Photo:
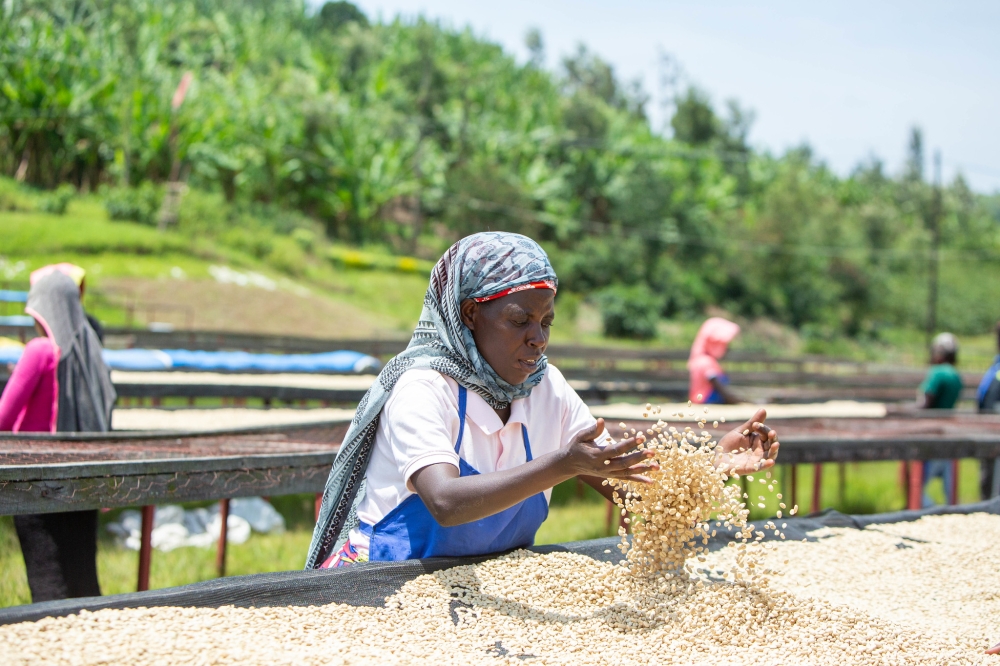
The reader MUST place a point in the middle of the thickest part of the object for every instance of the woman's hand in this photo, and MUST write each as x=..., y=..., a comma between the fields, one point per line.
x=585, y=458
x=750, y=448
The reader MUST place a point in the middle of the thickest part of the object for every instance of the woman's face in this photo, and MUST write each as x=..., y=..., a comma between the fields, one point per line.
x=512, y=332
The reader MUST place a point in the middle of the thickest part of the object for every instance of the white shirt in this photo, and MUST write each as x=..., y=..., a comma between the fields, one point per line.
x=419, y=427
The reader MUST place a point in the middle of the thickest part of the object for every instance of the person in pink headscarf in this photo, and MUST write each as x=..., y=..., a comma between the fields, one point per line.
x=709, y=384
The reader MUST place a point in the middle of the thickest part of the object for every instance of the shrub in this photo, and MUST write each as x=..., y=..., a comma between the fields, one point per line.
x=137, y=204
x=256, y=242
x=287, y=256
x=306, y=239
x=629, y=311
x=203, y=213
x=358, y=260
x=12, y=195
x=57, y=200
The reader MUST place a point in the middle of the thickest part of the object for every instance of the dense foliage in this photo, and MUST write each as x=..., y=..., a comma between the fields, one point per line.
x=411, y=134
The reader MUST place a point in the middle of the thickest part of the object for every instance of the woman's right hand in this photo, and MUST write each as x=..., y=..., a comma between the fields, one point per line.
x=584, y=457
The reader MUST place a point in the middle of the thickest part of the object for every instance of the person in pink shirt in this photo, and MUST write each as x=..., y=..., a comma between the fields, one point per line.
x=709, y=384
x=30, y=400
x=59, y=384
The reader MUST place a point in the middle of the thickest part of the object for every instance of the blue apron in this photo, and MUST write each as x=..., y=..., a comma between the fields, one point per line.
x=714, y=398
x=409, y=531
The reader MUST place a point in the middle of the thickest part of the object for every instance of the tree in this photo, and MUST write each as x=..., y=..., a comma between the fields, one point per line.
x=694, y=121
x=335, y=16
x=536, y=47
x=914, y=171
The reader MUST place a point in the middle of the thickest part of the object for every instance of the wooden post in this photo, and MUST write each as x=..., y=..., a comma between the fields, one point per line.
x=915, y=496
x=220, y=553
x=817, y=486
x=953, y=498
x=145, y=547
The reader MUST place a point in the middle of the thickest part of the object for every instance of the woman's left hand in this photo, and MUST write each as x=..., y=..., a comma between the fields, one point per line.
x=750, y=448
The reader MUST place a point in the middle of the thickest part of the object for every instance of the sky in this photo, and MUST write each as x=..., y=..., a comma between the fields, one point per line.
x=849, y=78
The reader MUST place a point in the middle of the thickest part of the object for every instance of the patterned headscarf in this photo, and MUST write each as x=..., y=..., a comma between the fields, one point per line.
x=482, y=266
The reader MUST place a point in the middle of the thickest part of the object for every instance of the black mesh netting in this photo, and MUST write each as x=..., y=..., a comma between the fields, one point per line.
x=370, y=583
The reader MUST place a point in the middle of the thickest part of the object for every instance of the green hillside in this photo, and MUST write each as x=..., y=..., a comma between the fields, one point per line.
x=296, y=282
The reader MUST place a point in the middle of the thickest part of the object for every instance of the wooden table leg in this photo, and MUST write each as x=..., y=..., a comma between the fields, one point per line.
x=220, y=553
x=817, y=486
x=915, y=496
x=145, y=547
x=953, y=495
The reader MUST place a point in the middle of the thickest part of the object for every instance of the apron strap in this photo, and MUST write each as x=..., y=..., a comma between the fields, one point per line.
x=463, y=398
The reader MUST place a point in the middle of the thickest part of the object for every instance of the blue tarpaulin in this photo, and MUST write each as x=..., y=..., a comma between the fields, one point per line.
x=17, y=320
x=184, y=359
x=13, y=296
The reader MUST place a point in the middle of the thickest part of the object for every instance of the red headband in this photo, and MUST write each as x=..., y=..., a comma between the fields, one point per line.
x=541, y=284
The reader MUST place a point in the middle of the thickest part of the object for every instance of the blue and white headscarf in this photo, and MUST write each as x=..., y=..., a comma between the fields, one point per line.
x=482, y=266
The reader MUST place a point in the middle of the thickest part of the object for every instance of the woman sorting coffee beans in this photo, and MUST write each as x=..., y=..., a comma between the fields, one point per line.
x=457, y=445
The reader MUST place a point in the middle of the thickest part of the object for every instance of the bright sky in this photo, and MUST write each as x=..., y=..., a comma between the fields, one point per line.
x=848, y=77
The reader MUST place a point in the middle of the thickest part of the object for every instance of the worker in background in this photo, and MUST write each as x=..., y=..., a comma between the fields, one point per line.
x=79, y=276
x=454, y=450
x=709, y=384
x=988, y=401
x=940, y=390
x=60, y=384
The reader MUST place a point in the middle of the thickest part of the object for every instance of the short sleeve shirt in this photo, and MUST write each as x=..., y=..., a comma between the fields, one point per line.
x=419, y=426
x=943, y=384
x=703, y=370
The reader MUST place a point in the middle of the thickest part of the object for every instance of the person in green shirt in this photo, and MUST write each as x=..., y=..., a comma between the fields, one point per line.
x=940, y=390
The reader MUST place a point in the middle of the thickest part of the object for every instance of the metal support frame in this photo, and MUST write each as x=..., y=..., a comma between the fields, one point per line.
x=817, y=487
x=995, y=490
x=793, y=492
x=915, y=496
x=146, y=547
x=220, y=553
x=953, y=496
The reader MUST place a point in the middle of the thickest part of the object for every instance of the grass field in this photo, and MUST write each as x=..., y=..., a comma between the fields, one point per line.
x=867, y=488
